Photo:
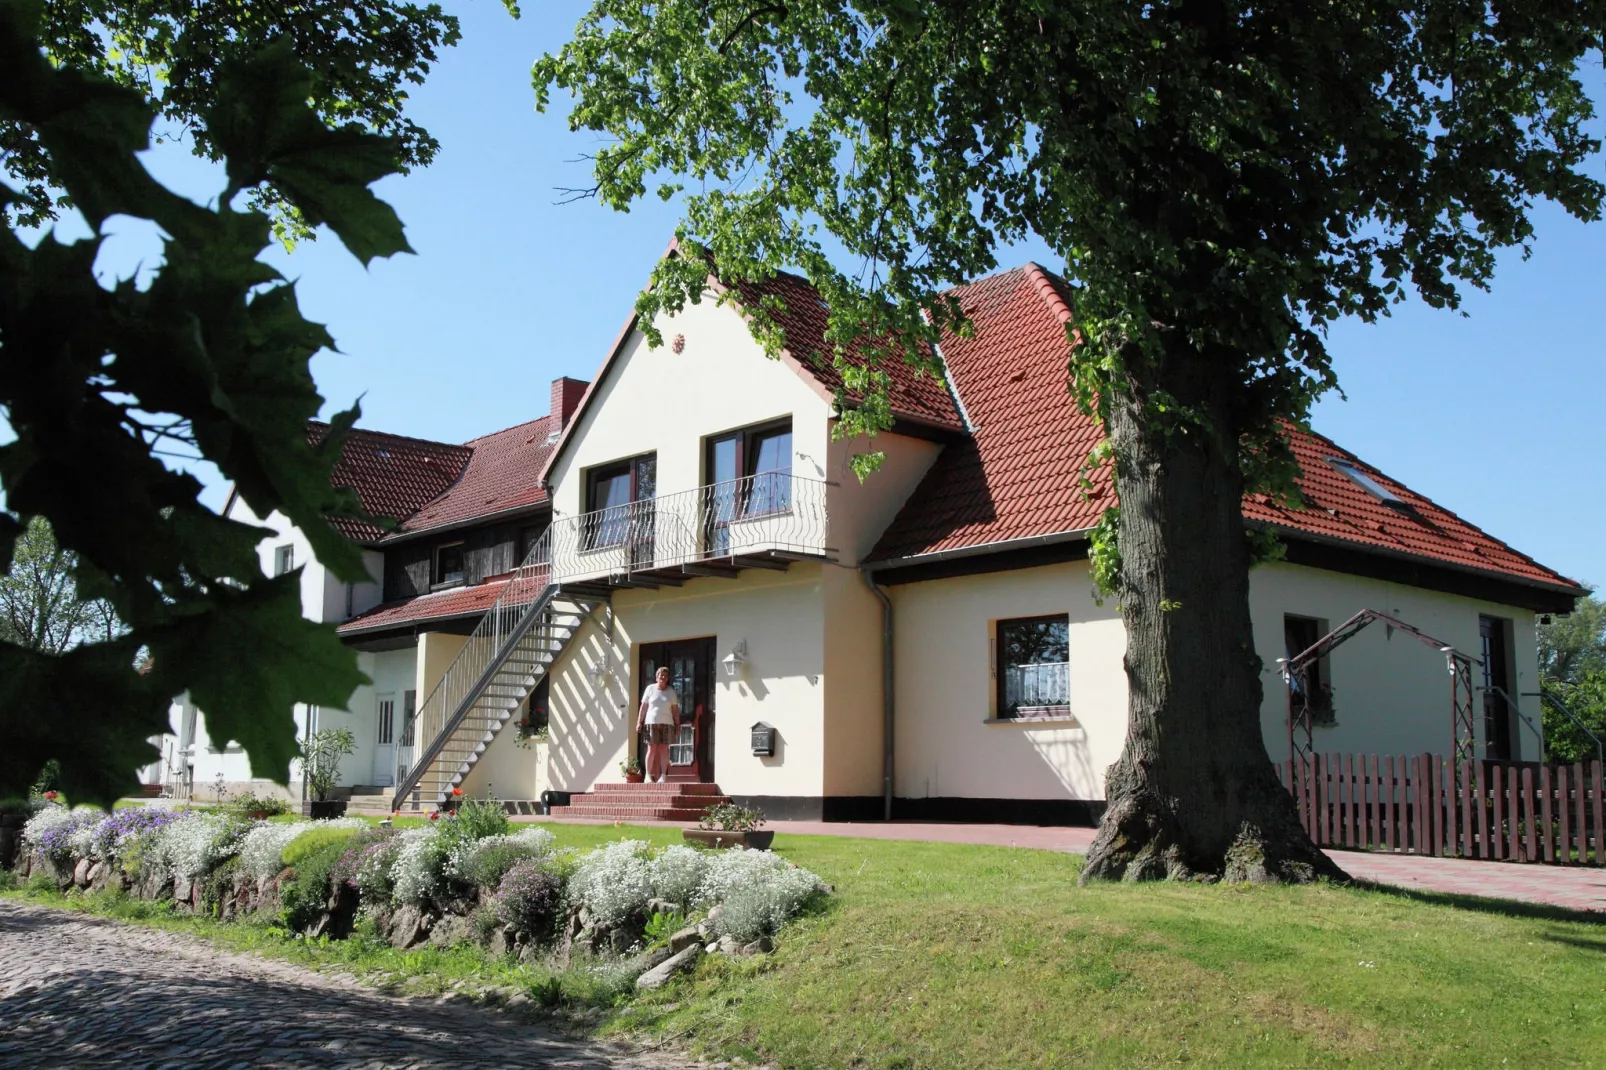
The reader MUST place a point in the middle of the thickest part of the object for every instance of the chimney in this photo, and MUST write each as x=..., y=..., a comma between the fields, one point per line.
x=566, y=395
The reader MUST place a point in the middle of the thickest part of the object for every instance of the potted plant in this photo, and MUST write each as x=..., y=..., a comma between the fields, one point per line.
x=320, y=767
x=729, y=825
x=632, y=771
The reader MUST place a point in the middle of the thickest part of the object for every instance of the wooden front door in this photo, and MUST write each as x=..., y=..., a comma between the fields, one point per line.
x=691, y=674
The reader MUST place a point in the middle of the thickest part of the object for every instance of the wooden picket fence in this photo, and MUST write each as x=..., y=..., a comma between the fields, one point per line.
x=1424, y=804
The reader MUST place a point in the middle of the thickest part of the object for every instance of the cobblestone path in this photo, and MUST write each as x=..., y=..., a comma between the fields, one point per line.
x=79, y=991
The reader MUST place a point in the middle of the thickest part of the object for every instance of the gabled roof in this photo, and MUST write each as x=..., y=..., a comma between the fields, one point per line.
x=393, y=475
x=502, y=475
x=1016, y=476
x=915, y=396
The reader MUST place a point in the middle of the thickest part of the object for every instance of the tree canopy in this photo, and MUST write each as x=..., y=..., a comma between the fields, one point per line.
x=362, y=54
x=41, y=607
x=1223, y=180
x=209, y=357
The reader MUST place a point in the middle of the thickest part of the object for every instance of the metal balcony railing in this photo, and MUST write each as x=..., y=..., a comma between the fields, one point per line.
x=768, y=515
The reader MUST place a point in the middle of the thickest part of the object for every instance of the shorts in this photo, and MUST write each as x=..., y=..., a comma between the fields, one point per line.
x=659, y=733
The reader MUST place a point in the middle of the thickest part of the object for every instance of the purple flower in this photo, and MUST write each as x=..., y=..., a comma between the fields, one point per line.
x=118, y=831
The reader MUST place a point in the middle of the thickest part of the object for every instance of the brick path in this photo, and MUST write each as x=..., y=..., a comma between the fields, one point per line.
x=79, y=991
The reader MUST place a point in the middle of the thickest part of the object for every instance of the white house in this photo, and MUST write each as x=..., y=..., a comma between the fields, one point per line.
x=690, y=508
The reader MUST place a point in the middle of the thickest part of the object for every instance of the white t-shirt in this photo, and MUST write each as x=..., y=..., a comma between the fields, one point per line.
x=658, y=703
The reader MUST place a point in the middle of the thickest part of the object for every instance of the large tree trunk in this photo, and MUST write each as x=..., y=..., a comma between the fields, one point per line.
x=1194, y=793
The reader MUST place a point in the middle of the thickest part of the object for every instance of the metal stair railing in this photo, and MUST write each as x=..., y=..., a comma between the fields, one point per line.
x=773, y=513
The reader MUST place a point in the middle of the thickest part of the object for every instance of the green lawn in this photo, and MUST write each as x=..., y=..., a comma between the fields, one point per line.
x=936, y=955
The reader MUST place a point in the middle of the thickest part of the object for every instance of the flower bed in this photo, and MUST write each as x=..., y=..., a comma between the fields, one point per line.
x=464, y=877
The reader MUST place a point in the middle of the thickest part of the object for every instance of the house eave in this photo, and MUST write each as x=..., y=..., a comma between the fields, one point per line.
x=469, y=522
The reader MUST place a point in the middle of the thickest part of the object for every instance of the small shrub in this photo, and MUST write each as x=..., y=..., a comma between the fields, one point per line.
x=729, y=817
x=9, y=880
x=548, y=993
x=318, y=835
x=528, y=898
x=305, y=894
x=677, y=874
x=612, y=882
x=729, y=870
x=762, y=902
x=247, y=803
x=479, y=818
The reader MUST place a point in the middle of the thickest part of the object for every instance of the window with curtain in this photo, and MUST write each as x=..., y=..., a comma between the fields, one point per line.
x=1033, y=667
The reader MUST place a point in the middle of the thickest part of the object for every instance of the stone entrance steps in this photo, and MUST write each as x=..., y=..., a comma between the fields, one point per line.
x=643, y=802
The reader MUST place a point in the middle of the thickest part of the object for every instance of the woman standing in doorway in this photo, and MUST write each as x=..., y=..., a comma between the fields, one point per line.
x=657, y=717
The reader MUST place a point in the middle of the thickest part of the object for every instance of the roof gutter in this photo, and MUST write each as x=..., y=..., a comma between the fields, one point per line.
x=1078, y=535
x=1432, y=562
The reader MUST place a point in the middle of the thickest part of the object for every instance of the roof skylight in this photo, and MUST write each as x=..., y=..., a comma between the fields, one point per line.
x=1361, y=478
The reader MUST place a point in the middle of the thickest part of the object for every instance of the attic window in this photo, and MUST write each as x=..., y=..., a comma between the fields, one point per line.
x=383, y=455
x=1362, y=479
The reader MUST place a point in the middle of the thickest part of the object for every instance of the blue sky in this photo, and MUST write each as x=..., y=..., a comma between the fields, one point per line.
x=1497, y=415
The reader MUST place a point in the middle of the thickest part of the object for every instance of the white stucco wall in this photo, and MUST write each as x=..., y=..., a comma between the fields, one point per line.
x=667, y=402
x=779, y=615
x=1391, y=694
x=943, y=658
x=860, y=512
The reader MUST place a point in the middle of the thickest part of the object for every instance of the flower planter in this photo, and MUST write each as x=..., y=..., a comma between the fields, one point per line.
x=752, y=839
x=322, y=809
x=635, y=778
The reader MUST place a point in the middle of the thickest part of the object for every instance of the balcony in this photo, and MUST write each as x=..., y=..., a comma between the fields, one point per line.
x=766, y=520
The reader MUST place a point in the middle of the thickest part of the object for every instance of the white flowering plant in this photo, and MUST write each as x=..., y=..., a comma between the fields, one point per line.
x=59, y=833
x=677, y=874
x=261, y=847
x=417, y=873
x=482, y=862
x=194, y=846
x=613, y=882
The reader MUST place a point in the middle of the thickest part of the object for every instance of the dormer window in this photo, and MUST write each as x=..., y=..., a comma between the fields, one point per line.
x=449, y=564
x=1363, y=479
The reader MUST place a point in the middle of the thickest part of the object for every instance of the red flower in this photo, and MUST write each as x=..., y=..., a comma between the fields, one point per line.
x=434, y=815
x=457, y=791
x=50, y=795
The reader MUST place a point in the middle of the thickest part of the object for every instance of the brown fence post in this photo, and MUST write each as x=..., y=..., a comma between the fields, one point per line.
x=1483, y=810
x=1528, y=813
x=1464, y=786
x=1546, y=838
x=1389, y=839
x=1564, y=812
x=1436, y=803
x=1419, y=807
x=1580, y=812
x=1600, y=825
x=1376, y=804
x=1346, y=798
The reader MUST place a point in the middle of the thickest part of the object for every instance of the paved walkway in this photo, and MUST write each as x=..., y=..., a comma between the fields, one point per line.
x=78, y=991
x=1571, y=887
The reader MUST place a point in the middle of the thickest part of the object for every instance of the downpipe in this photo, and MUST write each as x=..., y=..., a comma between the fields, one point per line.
x=887, y=695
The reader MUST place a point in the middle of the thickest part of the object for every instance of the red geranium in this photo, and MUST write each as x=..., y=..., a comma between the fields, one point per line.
x=50, y=795
x=434, y=815
x=457, y=791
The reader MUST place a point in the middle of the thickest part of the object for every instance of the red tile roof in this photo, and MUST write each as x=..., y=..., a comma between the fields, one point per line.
x=393, y=475
x=503, y=473
x=1016, y=476
x=915, y=393
x=437, y=605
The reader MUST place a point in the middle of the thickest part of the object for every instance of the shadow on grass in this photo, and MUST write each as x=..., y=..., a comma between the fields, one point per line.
x=1506, y=908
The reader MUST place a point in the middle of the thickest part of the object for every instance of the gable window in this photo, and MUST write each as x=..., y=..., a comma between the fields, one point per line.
x=614, y=515
x=1033, y=668
x=449, y=564
x=1311, y=688
x=284, y=560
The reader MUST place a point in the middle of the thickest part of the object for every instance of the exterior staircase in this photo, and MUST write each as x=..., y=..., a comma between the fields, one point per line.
x=499, y=665
x=635, y=803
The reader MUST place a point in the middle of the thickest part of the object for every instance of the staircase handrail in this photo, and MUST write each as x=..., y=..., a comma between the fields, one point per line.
x=1545, y=694
x=534, y=570
x=1511, y=703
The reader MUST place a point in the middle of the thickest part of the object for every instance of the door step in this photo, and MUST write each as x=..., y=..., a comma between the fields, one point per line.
x=637, y=803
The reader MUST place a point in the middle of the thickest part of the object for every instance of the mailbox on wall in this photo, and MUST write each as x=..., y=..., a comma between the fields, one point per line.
x=763, y=740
